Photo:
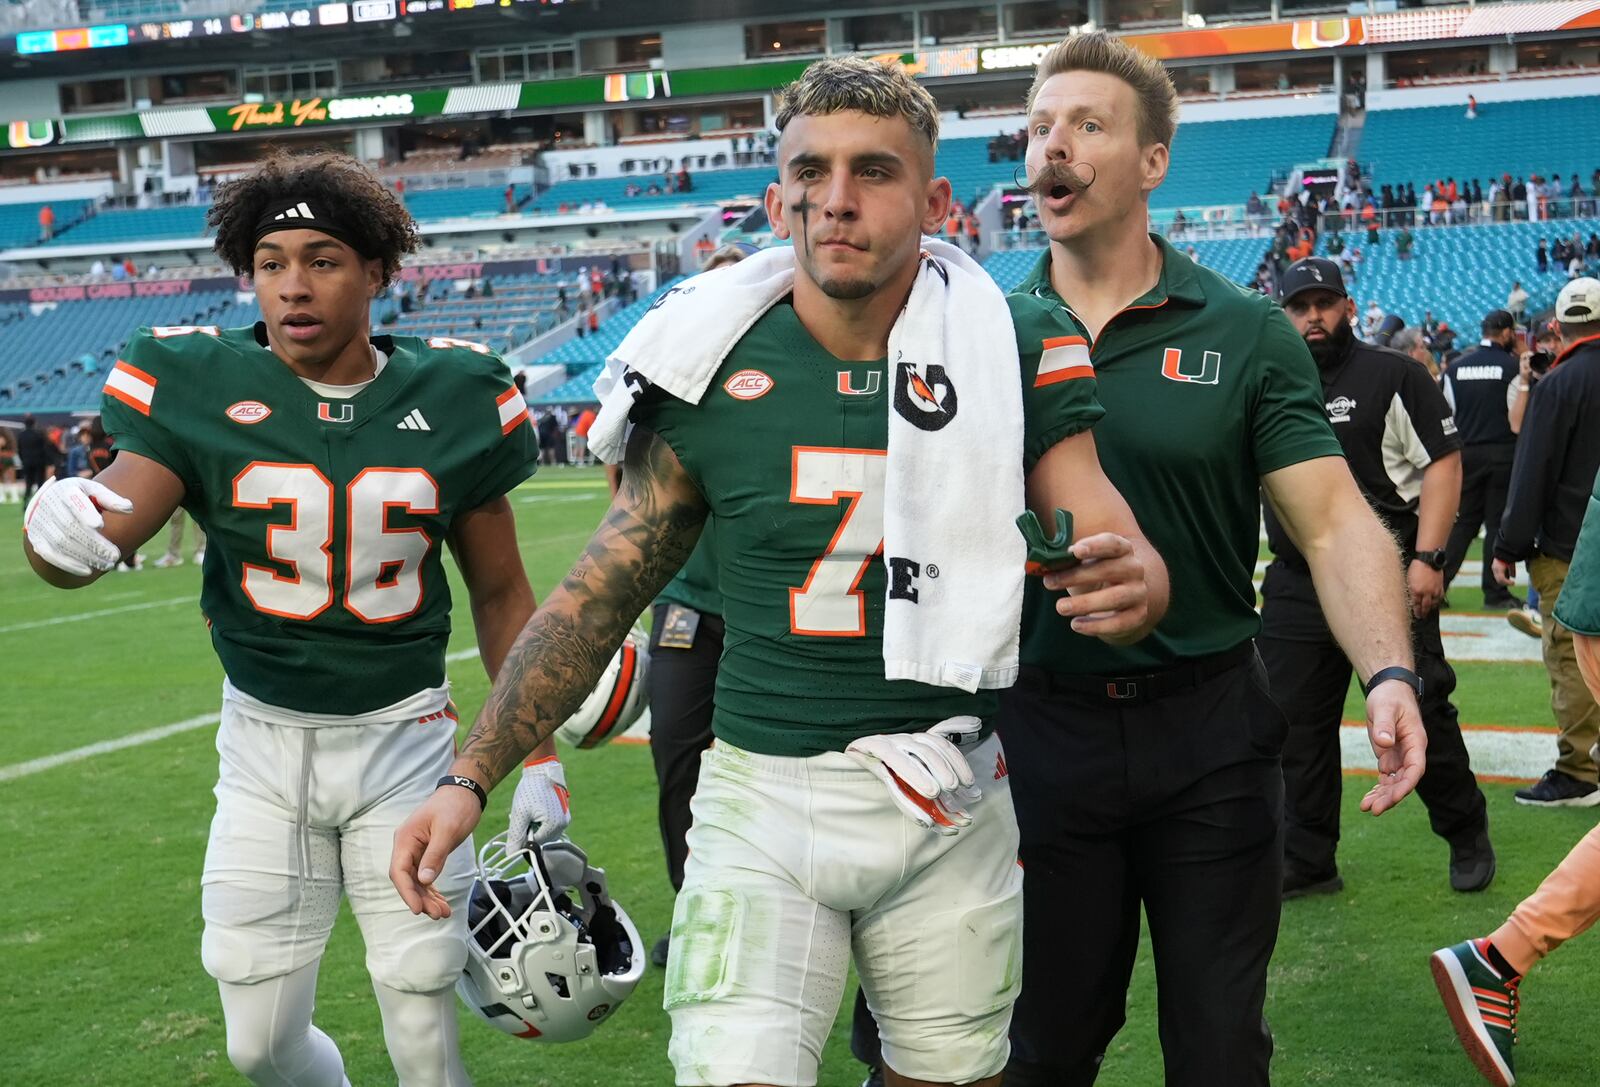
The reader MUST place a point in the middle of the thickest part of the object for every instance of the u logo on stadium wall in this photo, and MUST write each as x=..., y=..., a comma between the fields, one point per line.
x=1327, y=33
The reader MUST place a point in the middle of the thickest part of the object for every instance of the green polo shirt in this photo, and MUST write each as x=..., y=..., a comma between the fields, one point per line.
x=1578, y=605
x=1207, y=388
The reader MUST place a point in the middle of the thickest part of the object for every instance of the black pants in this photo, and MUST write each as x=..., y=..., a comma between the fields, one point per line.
x=1174, y=803
x=33, y=477
x=681, y=685
x=1485, y=476
x=1309, y=681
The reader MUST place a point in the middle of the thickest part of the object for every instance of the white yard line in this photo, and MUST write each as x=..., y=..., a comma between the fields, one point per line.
x=1506, y=754
x=57, y=620
x=136, y=739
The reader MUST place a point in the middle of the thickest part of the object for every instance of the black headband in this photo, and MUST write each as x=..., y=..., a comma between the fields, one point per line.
x=304, y=215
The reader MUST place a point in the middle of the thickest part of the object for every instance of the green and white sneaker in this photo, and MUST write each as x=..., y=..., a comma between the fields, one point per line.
x=1482, y=1006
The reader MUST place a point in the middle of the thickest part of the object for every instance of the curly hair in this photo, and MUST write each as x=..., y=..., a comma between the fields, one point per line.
x=374, y=216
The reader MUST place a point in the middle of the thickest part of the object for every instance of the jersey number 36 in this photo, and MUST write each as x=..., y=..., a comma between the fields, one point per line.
x=383, y=579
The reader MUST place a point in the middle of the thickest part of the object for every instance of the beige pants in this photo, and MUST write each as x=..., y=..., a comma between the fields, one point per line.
x=175, y=536
x=1576, y=714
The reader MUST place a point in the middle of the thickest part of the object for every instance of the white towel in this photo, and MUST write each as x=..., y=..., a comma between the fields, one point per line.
x=954, y=482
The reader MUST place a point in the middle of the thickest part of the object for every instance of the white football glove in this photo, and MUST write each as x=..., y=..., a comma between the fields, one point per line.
x=927, y=776
x=63, y=525
x=541, y=807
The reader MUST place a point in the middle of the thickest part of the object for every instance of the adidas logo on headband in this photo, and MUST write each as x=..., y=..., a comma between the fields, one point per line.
x=299, y=211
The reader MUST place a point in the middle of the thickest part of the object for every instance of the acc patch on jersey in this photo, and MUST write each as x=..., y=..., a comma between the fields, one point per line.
x=749, y=385
x=248, y=412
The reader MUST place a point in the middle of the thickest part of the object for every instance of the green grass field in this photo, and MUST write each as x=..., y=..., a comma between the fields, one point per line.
x=100, y=926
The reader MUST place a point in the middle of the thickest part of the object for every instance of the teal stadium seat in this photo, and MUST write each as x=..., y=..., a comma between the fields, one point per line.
x=19, y=223
x=37, y=353
x=585, y=358
x=1459, y=273
x=1541, y=136
x=115, y=228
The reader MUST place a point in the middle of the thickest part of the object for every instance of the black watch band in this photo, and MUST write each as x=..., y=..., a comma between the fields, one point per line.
x=465, y=783
x=1435, y=560
x=1404, y=675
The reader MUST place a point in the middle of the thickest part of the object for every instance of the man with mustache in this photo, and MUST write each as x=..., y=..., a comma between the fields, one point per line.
x=1401, y=443
x=1149, y=773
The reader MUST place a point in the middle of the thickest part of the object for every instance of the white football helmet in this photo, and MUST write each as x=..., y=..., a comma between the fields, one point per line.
x=543, y=963
x=617, y=700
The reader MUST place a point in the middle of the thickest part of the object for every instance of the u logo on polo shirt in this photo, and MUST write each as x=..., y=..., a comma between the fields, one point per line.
x=1172, y=367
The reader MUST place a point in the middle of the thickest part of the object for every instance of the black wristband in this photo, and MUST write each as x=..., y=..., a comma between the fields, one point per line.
x=465, y=783
x=1404, y=675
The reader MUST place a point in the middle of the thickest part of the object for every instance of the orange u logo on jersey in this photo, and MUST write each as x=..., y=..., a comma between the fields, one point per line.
x=847, y=384
x=1172, y=367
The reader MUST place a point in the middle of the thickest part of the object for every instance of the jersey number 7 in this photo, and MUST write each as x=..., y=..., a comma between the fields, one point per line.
x=383, y=579
x=829, y=604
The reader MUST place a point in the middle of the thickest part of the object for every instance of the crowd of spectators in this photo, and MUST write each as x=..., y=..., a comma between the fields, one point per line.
x=671, y=182
x=1009, y=146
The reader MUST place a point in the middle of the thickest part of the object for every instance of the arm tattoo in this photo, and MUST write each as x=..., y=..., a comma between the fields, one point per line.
x=648, y=533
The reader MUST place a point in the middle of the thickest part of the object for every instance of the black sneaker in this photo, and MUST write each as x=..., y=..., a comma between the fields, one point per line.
x=874, y=1078
x=1472, y=863
x=658, y=953
x=1502, y=603
x=1300, y=885
x=1559, y=790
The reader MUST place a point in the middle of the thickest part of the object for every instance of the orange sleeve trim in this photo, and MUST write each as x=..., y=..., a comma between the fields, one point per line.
x=1067, y=373
x=137, y=405
x=129, y=368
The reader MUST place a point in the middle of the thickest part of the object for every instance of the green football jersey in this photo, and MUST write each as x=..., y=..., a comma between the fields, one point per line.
x=695, y=586
x=325, y=518
x=788, y=447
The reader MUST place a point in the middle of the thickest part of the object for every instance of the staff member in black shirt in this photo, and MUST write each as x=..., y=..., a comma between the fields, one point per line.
x=1557, y=458
x=1479, y=387
x=1402, y=447
x=33, y=449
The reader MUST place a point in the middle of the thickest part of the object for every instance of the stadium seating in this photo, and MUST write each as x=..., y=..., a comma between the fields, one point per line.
x=19, y=223
x=1539, y=136
x=1462, y=273
x=458, y=203
x=709, y=187
x=585, y=357
x=519, y=308
x=1459, y=273
x=115, y=228
x=57, y=360
x=1222, y=162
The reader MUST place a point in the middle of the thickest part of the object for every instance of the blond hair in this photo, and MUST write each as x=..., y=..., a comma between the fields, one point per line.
x=1100, y=52
x=863, y=86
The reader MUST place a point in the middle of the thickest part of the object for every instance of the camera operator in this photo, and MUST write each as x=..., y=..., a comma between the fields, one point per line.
x=1531, y=366
x=1558, y=455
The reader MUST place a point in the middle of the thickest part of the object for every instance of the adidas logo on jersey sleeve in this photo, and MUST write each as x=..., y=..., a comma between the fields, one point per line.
x=413, y=421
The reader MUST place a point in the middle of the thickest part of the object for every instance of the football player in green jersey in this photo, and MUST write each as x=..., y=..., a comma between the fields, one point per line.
x=327, y=467
x=800, y=858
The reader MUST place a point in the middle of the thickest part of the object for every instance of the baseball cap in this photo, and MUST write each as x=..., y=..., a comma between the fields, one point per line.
x=1498, y=320
x=1309, y=273
x=1579, y=301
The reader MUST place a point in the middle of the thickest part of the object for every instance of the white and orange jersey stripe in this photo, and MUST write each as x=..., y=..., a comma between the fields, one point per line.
x=1064, y=358
x=513, y=410
x=132, y=386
